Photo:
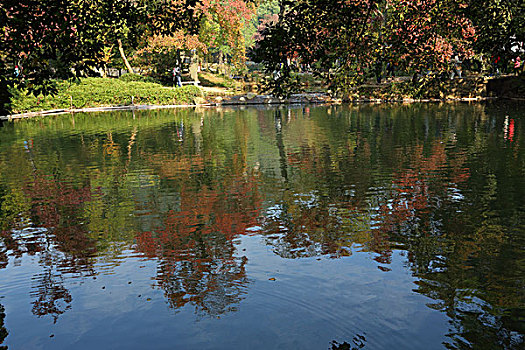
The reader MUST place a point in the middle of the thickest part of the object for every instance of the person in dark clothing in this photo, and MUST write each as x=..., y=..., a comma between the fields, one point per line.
x=378, y=70
x=390, y=70
x=177, y=76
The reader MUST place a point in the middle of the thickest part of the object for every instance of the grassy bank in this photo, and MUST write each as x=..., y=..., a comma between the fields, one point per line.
x=102, y=92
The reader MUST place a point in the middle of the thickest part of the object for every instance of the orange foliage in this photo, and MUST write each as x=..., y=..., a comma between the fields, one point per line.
x=176, y=41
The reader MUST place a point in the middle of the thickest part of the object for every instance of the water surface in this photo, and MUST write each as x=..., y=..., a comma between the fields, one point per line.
x=347, y=227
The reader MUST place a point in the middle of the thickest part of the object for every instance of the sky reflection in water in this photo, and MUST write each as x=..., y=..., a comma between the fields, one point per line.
x=312, y=227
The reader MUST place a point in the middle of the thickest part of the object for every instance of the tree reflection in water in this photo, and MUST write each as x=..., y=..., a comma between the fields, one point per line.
x=3, y=331
x=441, y=185
x=195, y=246
x=358, y=342
x=57, y=236
x=456, y=215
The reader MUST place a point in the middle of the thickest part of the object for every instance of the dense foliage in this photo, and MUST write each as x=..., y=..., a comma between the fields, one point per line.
x=62, y=39
x=346, y=40
x=500, y=26
x=343, y=41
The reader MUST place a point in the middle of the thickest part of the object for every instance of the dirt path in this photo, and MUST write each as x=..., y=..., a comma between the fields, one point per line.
x=216, y=91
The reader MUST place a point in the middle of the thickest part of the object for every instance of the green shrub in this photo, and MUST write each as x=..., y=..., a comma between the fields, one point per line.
x=98, y=92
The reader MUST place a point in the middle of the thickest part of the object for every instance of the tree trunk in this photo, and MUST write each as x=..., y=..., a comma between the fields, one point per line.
x=123, y=55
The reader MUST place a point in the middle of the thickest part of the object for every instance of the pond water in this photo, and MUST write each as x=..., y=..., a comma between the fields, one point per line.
x=343, y=227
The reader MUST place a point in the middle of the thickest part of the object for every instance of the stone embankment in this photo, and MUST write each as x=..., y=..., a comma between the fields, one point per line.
x=254, y=99
x=511, y=87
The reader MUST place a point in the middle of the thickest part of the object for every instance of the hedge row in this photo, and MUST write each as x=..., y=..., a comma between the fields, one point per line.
x=99, y=92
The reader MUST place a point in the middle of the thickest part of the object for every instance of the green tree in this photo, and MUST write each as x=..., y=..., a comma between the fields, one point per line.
x=500, y=25
x=266, y=9
x=58, y=40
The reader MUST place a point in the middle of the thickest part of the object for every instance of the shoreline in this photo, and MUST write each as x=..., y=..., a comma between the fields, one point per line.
x=94, y=109
x=253, y=100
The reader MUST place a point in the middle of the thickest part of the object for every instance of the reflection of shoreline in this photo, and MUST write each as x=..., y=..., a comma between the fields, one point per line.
x=54, y=112
x=266, y=103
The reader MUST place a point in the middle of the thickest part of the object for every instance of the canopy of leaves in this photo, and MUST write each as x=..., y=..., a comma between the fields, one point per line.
x=344, y=39
x=60, y=39
x=266, y=11
x=500, y=26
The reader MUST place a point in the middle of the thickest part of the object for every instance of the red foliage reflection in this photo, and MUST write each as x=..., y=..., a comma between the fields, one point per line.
x=195, y=244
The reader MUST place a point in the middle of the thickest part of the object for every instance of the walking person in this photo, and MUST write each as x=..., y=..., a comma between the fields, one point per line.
x=456, y=67
x=177, y=76
x=517, y=65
